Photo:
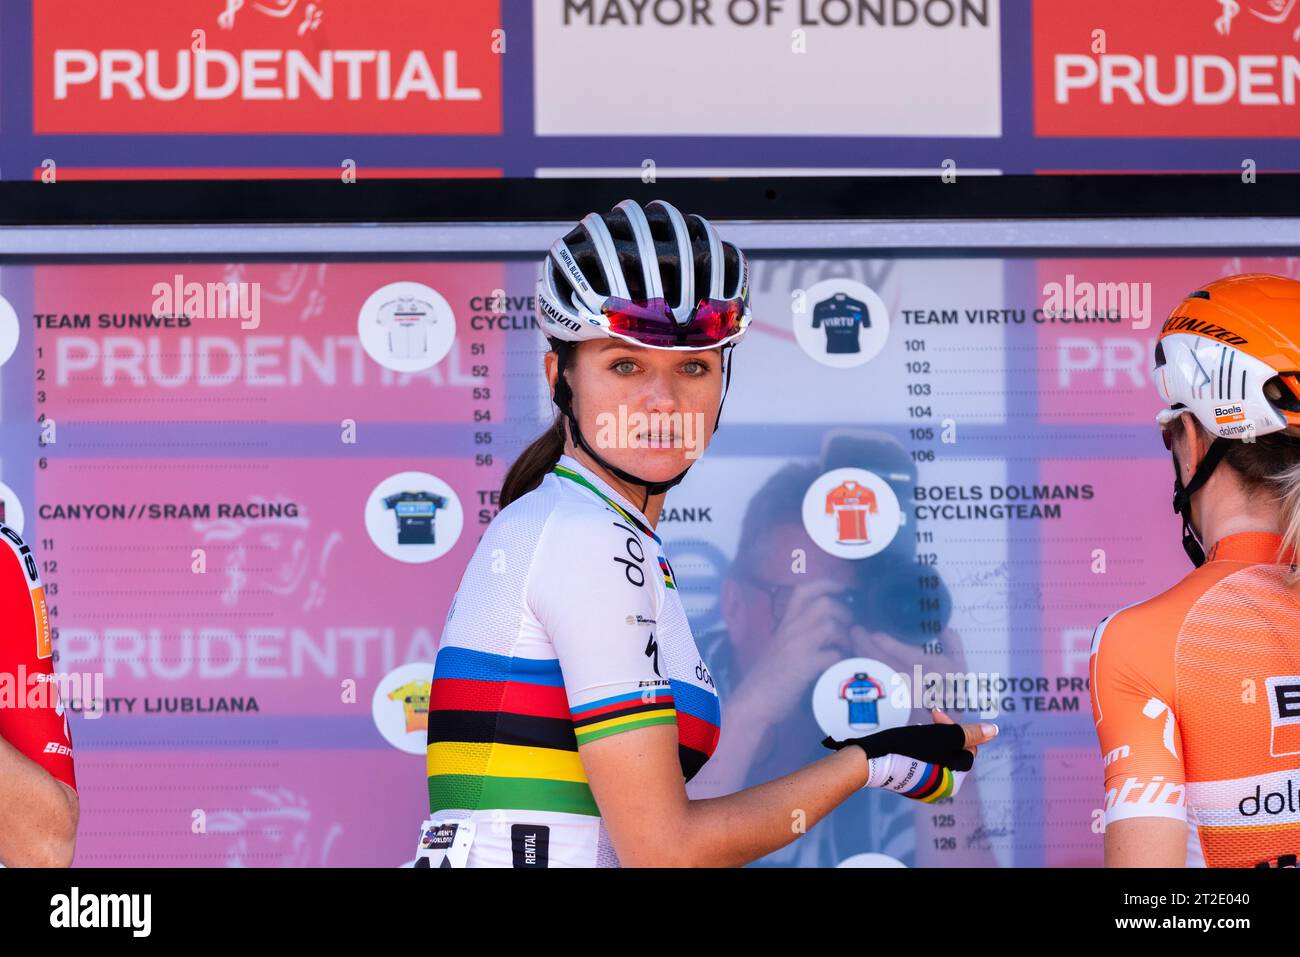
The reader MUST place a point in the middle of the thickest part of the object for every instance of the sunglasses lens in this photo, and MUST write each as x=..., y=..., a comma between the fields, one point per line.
x=651, y=322
x=716, y=320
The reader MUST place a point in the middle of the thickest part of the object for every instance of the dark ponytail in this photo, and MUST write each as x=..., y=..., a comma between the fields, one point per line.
x=541, y=456
x=533, y=463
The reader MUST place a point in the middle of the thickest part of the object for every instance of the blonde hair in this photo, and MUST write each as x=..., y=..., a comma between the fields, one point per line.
x=1288, y=482
x=1270, y=466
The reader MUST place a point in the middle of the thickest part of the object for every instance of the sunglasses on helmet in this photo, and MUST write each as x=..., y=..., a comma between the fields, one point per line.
x=650, y=322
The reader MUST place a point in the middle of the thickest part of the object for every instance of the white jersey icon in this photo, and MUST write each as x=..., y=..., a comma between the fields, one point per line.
x=409, y=323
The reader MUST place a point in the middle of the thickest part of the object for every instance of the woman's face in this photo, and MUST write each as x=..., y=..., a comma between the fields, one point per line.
x=648, y=411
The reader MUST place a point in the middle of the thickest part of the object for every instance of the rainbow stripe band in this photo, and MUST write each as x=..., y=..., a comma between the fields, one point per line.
x=668, y=573
x=502, y=733
x=936, y=784
x=599, y=719
x=573, y=476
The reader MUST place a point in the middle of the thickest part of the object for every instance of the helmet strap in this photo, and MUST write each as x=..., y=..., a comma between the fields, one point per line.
x=563, y=398
x=1183, y=497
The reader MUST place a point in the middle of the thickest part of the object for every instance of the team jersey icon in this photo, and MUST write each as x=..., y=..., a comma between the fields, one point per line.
x=859, y=696
x=840, y=323
x=843, y=317
x=414, y=698
x=410, y=324
x=415, y=513
x=406, y=326
x=862, y=693
x=401, y=512
x=851, y=513
x=400, y=706
x=850, y=502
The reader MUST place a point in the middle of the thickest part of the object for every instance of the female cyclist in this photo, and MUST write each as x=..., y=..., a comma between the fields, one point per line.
x=1196, y=692
x=569, y=702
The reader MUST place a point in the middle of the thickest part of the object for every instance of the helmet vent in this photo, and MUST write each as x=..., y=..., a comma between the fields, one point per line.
x=1199, y=294
x=1281, y=394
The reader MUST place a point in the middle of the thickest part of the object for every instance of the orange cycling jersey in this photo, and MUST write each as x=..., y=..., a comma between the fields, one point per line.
x=1196, y=697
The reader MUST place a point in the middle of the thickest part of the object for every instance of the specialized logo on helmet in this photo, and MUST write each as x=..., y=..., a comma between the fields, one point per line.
x=1201, y=328
x=551, y=314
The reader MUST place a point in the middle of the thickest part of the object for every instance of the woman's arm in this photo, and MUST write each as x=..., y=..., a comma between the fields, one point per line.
x=637, y=782
x=38, y=814
x=1146, y=842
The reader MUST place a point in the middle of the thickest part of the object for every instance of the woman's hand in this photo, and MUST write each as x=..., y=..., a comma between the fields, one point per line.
x=921, y=762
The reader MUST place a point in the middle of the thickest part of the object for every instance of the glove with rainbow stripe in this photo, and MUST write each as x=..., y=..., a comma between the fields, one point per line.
x=922, y=762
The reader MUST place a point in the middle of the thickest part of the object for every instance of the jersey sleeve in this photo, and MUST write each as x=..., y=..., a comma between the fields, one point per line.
x=32, y=718
x=1131, y=670
x=593, y=588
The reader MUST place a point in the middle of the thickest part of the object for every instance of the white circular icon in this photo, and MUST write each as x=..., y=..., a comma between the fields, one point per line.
x=841, y=323
x=414, y=517
x=9, y=330
x=400, y=706
x=851, y=513
x=11, y=509
x=871, y=860
x=860, y=696
x=406, y=326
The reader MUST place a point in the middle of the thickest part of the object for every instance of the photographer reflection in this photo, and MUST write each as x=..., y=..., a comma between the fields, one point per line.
x=791, y=611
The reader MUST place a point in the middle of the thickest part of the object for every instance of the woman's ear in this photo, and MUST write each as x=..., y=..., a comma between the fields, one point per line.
x=550, y=363
x=1195, y=442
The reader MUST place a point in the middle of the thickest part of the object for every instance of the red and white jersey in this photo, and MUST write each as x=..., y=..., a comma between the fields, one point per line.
x=31, y=714
x=850, y=502
x=1196, y=697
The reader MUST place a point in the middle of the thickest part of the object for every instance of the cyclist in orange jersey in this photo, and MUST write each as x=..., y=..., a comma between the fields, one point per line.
x=1196, y=692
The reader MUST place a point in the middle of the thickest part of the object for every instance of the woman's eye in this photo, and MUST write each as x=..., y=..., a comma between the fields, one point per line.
x=696, y=367
x=625, y=366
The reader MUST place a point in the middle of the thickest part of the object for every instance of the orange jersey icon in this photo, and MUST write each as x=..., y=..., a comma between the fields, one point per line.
x=1196, y=697
x=850, y=502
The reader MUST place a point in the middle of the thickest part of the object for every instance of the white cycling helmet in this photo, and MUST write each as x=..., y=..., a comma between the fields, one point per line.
x=652, y=276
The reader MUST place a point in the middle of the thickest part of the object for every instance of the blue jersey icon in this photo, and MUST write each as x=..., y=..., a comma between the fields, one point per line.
x=862, y=692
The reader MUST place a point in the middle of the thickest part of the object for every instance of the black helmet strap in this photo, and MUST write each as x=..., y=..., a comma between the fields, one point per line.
x=1183, y=496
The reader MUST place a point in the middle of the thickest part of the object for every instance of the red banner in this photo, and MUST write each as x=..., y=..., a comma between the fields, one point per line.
x=267, y=66
x=1184, y=68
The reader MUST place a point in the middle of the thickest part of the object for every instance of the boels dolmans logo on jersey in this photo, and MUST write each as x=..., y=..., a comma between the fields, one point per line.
x=257, y=66
x=1167, y=68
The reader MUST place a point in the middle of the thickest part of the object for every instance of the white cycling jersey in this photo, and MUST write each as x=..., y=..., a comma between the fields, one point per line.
x=566, y=628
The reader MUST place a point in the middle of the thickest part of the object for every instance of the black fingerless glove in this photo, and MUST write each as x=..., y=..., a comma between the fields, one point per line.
x=941, y=744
